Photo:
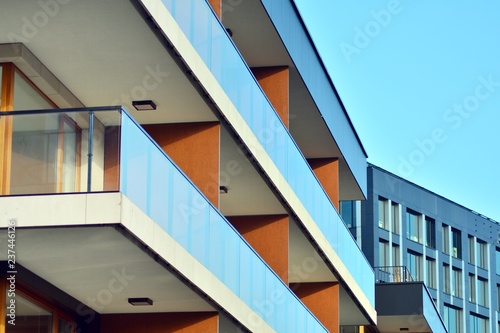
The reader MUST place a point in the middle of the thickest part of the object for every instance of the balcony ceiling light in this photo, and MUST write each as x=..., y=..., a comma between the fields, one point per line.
x=146, y=105
x=140, y=301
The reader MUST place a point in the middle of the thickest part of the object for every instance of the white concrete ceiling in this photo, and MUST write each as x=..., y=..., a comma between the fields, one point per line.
x=93, y=263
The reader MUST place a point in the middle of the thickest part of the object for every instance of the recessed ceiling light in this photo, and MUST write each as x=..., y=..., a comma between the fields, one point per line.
x=147, y=105
x=140, y=301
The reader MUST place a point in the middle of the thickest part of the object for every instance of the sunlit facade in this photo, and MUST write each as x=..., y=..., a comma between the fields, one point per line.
x=174, y=166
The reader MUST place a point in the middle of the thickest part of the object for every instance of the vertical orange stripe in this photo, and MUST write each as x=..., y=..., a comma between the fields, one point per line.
x=3, y=306
x=6, y=125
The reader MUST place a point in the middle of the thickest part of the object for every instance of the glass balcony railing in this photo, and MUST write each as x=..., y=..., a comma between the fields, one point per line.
x=60, y=151
x=104, y=149
x=221, y=56
x=392, y=274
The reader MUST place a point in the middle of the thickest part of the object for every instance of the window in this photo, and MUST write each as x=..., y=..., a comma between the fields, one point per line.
x=446, y=239
x=396, y=255
x=482, y=253
x=482, y=292
x=472, y=250
x=452, y=319
x=396, y=217
x=383, y=213
x=498, y=297
x=414, y=227
x=348, y=212
x=478, y=324
x=414, y=264
x=44, y=154
x=431, y=273
x=446, y=279
x=457, y=283
x=456, y=237
x=430, y=232
x=497, y=261
x=472, y=288
x=383, y=253
x=34, y=316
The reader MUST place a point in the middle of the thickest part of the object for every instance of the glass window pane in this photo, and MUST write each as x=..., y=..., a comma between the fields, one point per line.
x=26, y=97
x=30, y=317
x=64, y=326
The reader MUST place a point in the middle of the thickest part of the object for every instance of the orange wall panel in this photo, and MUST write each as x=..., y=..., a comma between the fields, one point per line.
x=322, y=298
x=275, y=83
x=185, y=322
x=216, y=6
x=195, y=148
x=268, y=235
x=327, y=172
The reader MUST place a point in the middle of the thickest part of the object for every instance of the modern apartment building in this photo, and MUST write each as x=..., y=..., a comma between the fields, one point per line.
x=404, y=228
x=206, y=200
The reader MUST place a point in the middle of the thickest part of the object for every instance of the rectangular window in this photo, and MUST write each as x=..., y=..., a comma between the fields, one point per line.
x=478, y=324
x=472, y=250
x=446, y=239
x=396, y=217
x=482, y=253
x=472, y=288
x=446, y=279
x=383, y=253
x=396, y=255
x=414, y=264
x=497, y=261
x=348, y=212
x=430, y=232
x=383, y=213
x=431, y=273
x=482, y=292
x=452, y=319
x=498, y=297
x=457, y=283
x=414, y=226
x=456, y=243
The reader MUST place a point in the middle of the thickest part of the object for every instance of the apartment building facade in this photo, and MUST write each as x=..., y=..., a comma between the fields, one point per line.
x=205, y=199
x=403, y=227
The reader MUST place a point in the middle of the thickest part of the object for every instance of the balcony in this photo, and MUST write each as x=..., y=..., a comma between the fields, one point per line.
x=392, y=274
x=209, y=40
x=99, y=150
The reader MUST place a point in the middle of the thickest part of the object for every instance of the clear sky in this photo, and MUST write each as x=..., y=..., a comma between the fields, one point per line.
x=421, y=83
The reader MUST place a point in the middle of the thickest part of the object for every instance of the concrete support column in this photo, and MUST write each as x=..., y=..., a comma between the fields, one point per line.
x=275, y=83
x=322, y=298
x=195, y=148
x=184, y=322
x=268, y=235
x=327, y=172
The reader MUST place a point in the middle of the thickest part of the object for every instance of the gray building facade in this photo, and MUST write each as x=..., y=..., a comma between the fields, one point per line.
x=452, y=249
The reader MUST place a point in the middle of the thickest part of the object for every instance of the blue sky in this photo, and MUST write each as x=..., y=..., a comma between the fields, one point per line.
x=421, y=83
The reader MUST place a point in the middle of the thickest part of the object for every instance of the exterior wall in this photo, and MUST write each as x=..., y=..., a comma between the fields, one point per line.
x=408, y=196
x=160, y=322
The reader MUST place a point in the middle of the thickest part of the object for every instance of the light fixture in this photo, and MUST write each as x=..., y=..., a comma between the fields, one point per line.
x=140, y=301
x=146, y=105
x=222, y=189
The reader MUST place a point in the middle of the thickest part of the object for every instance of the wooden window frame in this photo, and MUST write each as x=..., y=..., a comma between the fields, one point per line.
x=38, y=300
x=9, y=71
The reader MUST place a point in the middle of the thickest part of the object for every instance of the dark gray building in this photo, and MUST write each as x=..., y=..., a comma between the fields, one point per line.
x=402, y=227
